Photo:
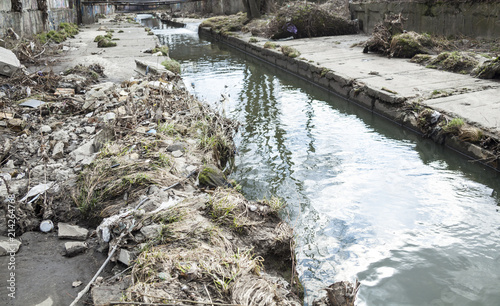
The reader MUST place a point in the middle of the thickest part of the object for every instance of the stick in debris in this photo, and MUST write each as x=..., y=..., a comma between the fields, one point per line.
x=82, y=293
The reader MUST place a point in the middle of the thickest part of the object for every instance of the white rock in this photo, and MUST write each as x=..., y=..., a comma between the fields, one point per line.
x=90, y=129
x=45, y=129
x=67, y=231
x=9, y=245
x=74, y=247
x=126, y=257
x=151, y=231
x=58, y=151
x=177, y=154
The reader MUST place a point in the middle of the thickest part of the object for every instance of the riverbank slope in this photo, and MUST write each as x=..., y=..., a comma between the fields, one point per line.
x=127, y=167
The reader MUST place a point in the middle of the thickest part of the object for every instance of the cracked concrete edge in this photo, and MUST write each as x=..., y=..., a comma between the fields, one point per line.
x=380, y=101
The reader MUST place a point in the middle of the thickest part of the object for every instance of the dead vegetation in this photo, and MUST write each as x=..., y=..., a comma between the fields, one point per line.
x=302, y=20
x=207, y=260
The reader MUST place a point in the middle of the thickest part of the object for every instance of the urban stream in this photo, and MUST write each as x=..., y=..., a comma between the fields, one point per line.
x=416, y=223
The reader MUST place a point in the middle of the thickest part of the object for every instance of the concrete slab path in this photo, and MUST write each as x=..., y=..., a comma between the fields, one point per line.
x=118, y=62
x=475, y=100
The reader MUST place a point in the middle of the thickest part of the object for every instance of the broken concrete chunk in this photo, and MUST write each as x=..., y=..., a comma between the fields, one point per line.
x=212, y=178
x=103, y=137
x=74, y=248
x=58, y=151
x=9, y=245
x=103, y=295
x=67, y=231
x=126, y=257
x=84, y=154
x=8, y=62
x=177, y=154
x=151, y=231
x=177, y=146
x=153, y=67
x=45, y=129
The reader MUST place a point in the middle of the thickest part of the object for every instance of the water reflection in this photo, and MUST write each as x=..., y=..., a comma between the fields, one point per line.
x=415, y=222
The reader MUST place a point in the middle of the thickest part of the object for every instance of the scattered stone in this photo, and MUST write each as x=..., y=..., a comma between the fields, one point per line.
x=45, y=129
x=67, y=231
x=84, y=155
x=177, y=154
x=103, y=295
x=191, y=168
x=109, y=116
x=58, y=151
x=151, y=231
x=9, y=245
x=73, y=248
x=103, y=137
x=90, y=129
x=177, y=146
x=8, y=62
x=76, y=284
x=16, y=124
x=212, y=178
x=61, y=135
x=126, y=257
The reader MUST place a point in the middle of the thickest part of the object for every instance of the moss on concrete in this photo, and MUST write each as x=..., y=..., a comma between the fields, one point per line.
x=163, y=49
x=106, y=43
x=290, y=52
x=172, y=65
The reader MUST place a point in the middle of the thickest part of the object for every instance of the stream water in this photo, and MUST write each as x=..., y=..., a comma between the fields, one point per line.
x=416, y=223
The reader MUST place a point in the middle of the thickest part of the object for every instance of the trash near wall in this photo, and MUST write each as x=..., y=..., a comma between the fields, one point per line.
x=470, y=18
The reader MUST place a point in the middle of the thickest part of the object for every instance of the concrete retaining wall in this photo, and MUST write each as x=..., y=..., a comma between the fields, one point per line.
x=33, y=20
x=89, y=11
x=216, y=7
x=469, y=18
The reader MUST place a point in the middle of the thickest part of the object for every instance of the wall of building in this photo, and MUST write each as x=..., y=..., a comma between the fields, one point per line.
x=469, y=18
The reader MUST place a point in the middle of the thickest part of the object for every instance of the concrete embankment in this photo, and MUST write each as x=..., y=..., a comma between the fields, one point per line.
x=410, y=95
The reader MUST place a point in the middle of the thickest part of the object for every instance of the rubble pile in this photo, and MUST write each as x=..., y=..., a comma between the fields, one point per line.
x=122, y=162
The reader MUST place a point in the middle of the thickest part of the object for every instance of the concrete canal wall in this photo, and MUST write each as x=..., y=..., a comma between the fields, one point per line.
x=479, y=18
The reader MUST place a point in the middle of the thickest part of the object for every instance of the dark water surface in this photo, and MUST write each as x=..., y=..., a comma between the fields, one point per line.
x=416, y=223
